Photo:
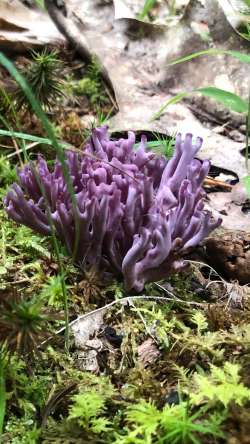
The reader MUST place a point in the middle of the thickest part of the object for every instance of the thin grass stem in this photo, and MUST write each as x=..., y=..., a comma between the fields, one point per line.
x=8, y=65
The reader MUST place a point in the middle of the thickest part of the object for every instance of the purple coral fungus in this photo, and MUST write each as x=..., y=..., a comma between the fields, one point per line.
x=137, y=212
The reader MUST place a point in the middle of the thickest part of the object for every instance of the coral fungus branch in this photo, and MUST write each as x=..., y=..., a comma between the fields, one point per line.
x=138, y=212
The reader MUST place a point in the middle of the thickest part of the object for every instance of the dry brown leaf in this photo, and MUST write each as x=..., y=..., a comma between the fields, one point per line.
x=223, y=205
x=148, y=353
x=86, y=327
x=22, y=28
x=142, y=82
x=234, y=10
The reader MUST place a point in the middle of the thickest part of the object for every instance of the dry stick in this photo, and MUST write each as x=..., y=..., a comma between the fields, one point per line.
x=227, y=285
x=137, y=311
x=203, y=264
x=92, y=156
x=69, y=29
x=9, y=147
x=215, y=182
x=123, y=301
x=112, y=99
x=17, y=152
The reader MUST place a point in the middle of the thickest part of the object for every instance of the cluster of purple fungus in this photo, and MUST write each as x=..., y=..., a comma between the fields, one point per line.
x=138, y=213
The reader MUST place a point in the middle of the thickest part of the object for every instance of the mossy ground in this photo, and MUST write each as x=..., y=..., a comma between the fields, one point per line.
x=173, y=370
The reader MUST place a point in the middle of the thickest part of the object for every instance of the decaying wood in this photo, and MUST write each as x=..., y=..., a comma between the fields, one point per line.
x=230, y=254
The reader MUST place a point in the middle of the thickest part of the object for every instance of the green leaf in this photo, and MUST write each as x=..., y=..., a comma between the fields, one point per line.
x=228, y=99
x=244, y=58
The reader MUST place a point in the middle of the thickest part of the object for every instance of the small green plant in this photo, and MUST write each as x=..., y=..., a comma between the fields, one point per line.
x=164, y=145
x=36, y=106
x=221, y=385
x=44, y=78
x=157, y=323
x=228, y=99
x=5, y=101
x=175, y=424
x=52, y=291
x=21, y=431
x=91, y=85
x=7, y=172
x=245, y=31
x=88, y=409
x=148, y=6
x=172, y=7
x=23, y=325
x=244, y=15
x=28, y=394
x=40, y=4
x=28, y=242
x=201, y=340
x=200, y=321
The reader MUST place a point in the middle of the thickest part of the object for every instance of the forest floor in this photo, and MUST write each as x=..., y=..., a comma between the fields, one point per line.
x=170, y=365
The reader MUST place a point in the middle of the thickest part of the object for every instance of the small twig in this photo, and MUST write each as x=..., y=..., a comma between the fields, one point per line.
x=111, y=98
x=92, y=156
x=143, y=321
x=208, y=181
x=9, y=147
x=229, y=286
x=65, y=23
x=203, y=264
x=122, y=301
x=21, y=281
x=176, y=299
x=18, y=151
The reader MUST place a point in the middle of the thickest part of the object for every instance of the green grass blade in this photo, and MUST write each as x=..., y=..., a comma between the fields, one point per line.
x=49, y=130
x=7, y=64
x=244, y=58
x=3, y=357
x=246, y=179
x=228, y=99
x=148, y=5
x=57, y=252
x=172, y=101
x=30, y=138
x=247, y=131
